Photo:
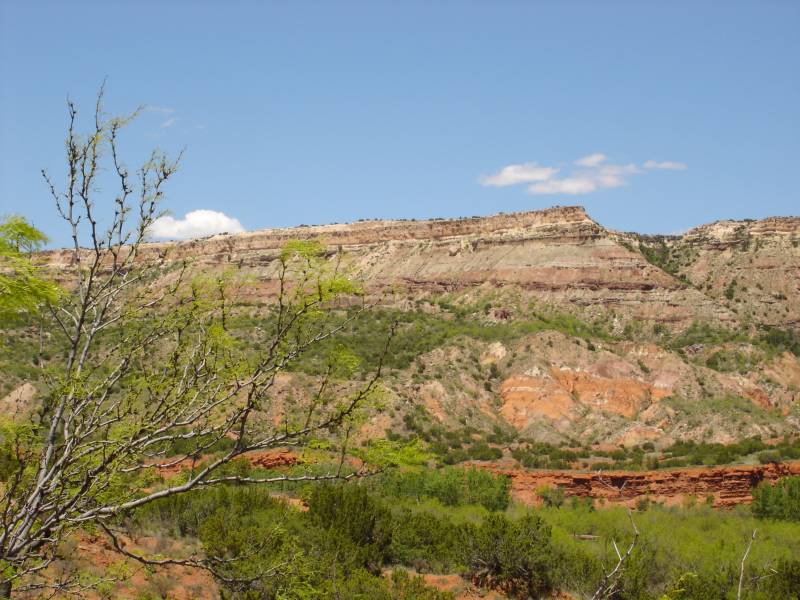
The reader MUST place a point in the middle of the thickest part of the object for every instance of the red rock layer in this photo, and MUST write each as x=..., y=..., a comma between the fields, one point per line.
x=728, y=486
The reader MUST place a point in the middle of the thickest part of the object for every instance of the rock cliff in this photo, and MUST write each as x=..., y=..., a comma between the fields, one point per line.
x=559, y=256
x=652, y=376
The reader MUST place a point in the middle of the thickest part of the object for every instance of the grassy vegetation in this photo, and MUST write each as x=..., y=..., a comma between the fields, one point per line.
x=657, y=253
x=704, y=333
x=452, y=446
x=353, y=533
x=682, y=454
x=332, y=552
x=541, y=455
x=20, y=360
x=450, y=486
x=419, y=332
x=779, y=501
x=467, y=443
x=781, y=340
x=762, y=346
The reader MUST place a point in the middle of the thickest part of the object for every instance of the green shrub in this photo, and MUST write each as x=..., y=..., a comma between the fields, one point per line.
x=451, y=486
x=419, y=332
x=551, y=496
x=701, y=332
x=405, y=587
x=516, y=557
x=711, y=585
x=351, y=511
x=778, y=501
x=782, y=340
x=483, y=451
x=783, y=581
x=424, y=541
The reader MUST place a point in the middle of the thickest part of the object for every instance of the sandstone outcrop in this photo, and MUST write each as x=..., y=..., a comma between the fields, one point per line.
x=559, y=255
x=751, y=267
x=726, y=486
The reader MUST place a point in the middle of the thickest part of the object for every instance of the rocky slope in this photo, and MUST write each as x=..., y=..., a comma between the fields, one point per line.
x=672, y=344
x=751, y=267
x=559, y=255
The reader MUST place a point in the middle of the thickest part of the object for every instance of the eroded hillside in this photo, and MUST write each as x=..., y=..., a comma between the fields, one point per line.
x=547, y=326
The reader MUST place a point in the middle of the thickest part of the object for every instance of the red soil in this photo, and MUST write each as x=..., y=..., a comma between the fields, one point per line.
x=268, y=459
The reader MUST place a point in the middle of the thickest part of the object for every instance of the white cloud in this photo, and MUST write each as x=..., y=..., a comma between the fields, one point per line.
x=197, y=223
x=667, y=165
x=568, y=185
x=515, y=174
x=589, y=174
x=591, y=161
x=168, y=123
x=586, y=180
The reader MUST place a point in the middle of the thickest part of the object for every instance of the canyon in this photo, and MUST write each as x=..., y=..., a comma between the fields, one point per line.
x=638, y=338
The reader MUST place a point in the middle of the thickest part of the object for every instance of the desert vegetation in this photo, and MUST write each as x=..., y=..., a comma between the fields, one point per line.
x=350, y=534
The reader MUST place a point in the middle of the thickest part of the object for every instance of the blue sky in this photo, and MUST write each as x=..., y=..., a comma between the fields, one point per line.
x=316, y=112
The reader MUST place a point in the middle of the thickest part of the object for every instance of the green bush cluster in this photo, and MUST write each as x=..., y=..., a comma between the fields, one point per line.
x=353, y=533
x=541, y=455
x=452, y=446
x=350, y=512
x=694, y=549
x=768, y=343
x=515, y=556
x=782, y=340
x=269, y=551
x=704, y=333
x=451, y=486
x=778, y=501
x=656, y=252
x=419, y=332
x=688, y=453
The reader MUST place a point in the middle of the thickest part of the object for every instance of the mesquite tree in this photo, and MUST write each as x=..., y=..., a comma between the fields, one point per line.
x=148, y=364
x=22, y=289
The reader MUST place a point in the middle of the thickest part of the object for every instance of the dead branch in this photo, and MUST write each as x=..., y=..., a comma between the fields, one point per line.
x=741, y=569
x=611, y=579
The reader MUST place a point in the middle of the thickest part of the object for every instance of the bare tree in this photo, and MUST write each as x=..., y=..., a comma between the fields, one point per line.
x=150, y=363
x=741, y=569
x=609, y=584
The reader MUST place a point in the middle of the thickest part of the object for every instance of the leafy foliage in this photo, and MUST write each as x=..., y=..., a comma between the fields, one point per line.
x=778, y=501
x=691, y=553
x=22, y=288
x=451, y=486
x=350, y=511
x=515, y=556
x=276, y=553
x=419, y=332
x=783, y=340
